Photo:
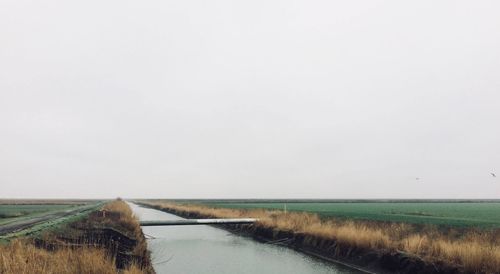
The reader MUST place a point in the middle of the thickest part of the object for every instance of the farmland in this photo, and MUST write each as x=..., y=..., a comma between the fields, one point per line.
x=18, y=211
x=10, y=211
x=457, y=214
x=21, y=219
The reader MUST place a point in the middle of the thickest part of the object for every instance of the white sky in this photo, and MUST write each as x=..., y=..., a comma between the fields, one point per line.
x=249, y=99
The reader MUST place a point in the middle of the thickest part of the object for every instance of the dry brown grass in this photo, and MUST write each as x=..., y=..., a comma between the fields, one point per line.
x=86, y=256
x=477, y=251
x=121, y=216
x=21, y=257
x=126, y=219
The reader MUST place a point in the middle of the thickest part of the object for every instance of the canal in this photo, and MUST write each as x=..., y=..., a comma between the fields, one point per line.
x=206, y=249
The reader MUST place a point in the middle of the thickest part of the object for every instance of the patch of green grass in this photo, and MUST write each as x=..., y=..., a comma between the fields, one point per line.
x=10, y=212
x=471, y=214
x=52, y=225
x=20, y=210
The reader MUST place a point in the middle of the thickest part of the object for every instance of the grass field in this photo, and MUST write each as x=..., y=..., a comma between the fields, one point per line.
x=12, y=211
x=459, y=214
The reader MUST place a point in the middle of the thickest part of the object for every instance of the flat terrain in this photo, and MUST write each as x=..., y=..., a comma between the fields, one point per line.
x=484, y=214
x=17, y=217
x=11, y=212
x=14, y=209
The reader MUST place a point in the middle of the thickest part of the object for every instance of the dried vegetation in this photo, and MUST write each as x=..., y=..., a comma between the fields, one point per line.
x=107, y=241
x=476, y=251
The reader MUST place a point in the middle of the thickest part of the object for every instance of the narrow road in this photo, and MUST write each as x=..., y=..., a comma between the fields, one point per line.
x=27, y=223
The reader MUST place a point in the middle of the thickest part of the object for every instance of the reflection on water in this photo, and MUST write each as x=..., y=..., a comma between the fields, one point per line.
x=205, y=249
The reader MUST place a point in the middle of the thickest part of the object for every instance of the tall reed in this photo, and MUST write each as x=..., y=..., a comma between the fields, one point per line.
x=20, y=257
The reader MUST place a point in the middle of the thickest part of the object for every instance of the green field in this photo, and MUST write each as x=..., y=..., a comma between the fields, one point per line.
x=9, y=212
x=459, y=214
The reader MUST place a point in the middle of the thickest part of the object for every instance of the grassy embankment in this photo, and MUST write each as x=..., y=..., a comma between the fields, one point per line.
x=110, y=242
x=472, y=251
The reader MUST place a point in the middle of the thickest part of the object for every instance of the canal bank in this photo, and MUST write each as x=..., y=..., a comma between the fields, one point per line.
x=206, y=249
x=355, y=247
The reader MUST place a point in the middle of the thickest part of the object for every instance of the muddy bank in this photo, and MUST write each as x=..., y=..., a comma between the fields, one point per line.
x=379, y=261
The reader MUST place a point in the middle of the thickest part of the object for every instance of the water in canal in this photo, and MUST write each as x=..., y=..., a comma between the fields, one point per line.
x=206, y=249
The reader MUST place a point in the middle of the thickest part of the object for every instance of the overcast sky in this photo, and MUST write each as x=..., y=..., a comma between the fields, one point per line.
x=249, y=99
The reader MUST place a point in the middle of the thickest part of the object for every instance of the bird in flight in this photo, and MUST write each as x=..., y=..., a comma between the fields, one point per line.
x=493, y=174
